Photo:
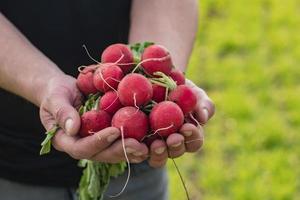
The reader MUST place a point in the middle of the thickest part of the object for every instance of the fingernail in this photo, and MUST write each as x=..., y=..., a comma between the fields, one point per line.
x=130, y=150
x=187, y=133
x=160, y=150
x=176, y=145
x=205, y=111
x=68, y=126
x=137, y=153
x=113, y=137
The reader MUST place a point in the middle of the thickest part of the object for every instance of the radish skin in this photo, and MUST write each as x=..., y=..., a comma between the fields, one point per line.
x=120, y=52
x=135, y=90
x=135, y=123
x=93, y=121
x=185, y=97
x=177, y=76
x=110, y=102
x=107, y=77
x=85, y=81
x=166, y=118
x=159, y=93
x=150, y=63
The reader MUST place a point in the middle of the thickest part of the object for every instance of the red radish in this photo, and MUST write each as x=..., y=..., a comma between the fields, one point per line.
x=185, y=97
x=85, y=81
x=133, y=121
x=135, y=90
x=110, y=102
x=159, y=60
x=120, y=53
x=159, y=93
x=177, y=76
x=93, y=121
x=166, y=118
x=107, y=77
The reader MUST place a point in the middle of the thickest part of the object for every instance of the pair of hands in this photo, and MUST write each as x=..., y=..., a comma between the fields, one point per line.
x=60, y=103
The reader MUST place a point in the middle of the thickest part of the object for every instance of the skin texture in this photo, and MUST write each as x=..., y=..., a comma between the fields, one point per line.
x=159, y=93
x=107, y=77
x=133, y=122
x=167, y=116
x=173, y=24
x=94, y=121
x=152, y=66
x=135, y=90
x=184, y=97
x=114, y=52
x=110, y=102
x=177, y=76
x=85, y=81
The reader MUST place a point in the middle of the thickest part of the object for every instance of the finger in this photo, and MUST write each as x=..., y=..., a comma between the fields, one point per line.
x=115, y=153
x=175, y=143
x=158, y=154
x=194, y=137
x=85, y=148
x=205, y=108
x=64, y=113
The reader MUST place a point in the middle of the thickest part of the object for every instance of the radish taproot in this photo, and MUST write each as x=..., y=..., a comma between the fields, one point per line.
x=119, y=53
x=85, y=81
x=110, y=102
x=166, y=118
x=177, y=76
x=184, y=97
x=93, y=121
x=107, y=77
x=133, y=122
x=156, y=58
x=135, y=90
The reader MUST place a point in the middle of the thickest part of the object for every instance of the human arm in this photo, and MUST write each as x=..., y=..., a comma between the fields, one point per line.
x=172, y=23
x=28, y=73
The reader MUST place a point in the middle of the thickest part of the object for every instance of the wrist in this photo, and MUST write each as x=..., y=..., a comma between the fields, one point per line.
x=44, y=83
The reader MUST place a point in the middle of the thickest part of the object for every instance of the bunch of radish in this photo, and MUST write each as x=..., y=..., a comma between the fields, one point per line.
x=139, y=91
x=136, y=89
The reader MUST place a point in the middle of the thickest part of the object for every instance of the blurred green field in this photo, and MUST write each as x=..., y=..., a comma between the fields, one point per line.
x=246, y=57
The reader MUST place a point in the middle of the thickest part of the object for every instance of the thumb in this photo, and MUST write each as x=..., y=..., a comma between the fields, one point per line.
x=65, y=114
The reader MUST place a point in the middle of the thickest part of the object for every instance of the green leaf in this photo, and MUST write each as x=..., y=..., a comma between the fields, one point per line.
x=137, y=50
x=46, y=144
x=96, y=177
x=117, y=169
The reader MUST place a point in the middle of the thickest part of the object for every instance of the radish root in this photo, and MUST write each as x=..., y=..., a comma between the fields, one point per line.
x=89, y=55
x=128, y=163
x=156, y=132
x=151, y=59
x=178, y=172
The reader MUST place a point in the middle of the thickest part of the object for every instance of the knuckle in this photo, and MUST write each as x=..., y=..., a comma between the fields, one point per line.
x=176, y=154
x=157, y=164
x=59, y=114
x=78, y=153
x=195, y=147
x=161, y=159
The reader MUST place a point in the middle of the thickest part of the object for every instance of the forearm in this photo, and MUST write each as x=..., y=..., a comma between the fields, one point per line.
x=24, y=70
x=172, y=23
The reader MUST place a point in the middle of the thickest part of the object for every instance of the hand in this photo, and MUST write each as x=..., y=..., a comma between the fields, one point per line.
x=59, y=105
x=190, y=138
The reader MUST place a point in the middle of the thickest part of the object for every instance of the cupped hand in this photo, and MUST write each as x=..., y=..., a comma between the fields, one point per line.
x=60, y=102
x=190, y=137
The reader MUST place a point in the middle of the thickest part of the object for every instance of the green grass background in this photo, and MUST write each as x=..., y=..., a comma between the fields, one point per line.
x=247, y=57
